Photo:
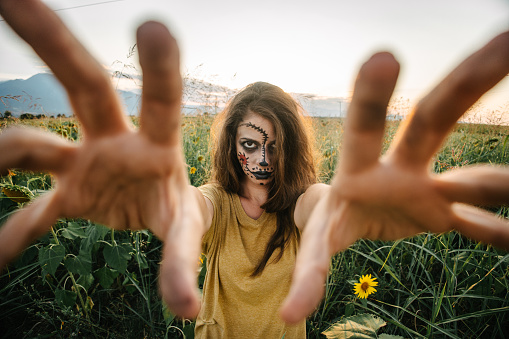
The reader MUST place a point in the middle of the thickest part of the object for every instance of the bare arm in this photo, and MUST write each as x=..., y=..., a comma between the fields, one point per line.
x=206, y=208
x=307, y=202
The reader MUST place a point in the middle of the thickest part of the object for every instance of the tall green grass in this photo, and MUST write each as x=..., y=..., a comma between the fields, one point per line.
x=83, y=280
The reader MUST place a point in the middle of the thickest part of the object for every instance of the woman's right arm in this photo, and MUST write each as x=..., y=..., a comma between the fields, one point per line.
x=206, y=208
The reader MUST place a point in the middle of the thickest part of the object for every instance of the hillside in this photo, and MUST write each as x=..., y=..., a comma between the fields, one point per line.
x=43, y=94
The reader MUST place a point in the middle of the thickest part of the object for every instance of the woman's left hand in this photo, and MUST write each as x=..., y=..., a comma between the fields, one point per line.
x=396, y=196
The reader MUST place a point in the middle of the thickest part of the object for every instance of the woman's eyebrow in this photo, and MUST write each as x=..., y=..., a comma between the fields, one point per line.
x=248, y=139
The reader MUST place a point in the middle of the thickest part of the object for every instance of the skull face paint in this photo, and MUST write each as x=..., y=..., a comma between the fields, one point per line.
x=255, y=148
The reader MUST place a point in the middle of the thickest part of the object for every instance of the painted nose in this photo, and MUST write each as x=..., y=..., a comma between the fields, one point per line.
x=263, y=163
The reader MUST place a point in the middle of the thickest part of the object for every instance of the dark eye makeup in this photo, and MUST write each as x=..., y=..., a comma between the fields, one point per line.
x=249, y=145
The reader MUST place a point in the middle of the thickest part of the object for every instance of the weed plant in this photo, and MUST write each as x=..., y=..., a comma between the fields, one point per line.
x=86, y=281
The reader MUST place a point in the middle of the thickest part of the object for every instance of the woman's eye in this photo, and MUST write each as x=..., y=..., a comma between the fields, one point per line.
x=249, y=145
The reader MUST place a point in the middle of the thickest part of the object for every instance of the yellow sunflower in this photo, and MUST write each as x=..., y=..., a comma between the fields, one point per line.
x=365, y=286
x=192, y=170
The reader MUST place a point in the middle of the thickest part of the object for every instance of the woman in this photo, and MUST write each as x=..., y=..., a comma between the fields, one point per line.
x=262, y=163
x=131, y=179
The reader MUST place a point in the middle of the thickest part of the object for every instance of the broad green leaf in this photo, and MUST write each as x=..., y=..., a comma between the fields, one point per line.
x=27, y=257
x=80, y=264
x=117, y=256
x=362, y=326
x=86, y=281
x=50, y=257
x=93, y=234
x=349, y=309
x=189, y=331
x=73, y=231
x=106, y=276
x=64, y=297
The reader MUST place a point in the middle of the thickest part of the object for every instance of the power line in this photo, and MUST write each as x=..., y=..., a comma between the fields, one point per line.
x=88, y=5
x=81, y=6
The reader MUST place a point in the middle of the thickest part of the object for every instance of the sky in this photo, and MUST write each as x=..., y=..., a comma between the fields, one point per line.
x=302, y=46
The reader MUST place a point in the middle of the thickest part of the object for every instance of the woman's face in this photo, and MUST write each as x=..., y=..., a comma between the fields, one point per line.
x=255, y=148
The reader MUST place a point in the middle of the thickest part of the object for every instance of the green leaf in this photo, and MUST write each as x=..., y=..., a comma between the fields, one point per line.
x=27, y=257
x=50, y=257
x=73, y=230
x=106, y=276
x=81, y=264
x=189, y=331
x=86, y=281
x=93, y=234
x=65, y=298
x=117, y=256
x=362, y=326
x=349, y=309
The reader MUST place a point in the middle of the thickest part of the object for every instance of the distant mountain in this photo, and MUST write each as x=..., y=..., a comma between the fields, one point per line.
x=43, y=94
x=320, y=106
x=40, y=94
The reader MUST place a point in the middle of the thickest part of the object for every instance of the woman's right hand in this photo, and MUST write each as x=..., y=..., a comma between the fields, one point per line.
x=116, y=176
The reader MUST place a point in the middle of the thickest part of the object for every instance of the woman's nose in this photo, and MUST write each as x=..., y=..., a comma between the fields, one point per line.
x=263, y=163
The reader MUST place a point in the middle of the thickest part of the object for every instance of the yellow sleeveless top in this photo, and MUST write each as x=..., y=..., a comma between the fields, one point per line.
x=234, y=304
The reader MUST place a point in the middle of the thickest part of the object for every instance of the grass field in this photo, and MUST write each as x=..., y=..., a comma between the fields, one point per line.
x=83, y=280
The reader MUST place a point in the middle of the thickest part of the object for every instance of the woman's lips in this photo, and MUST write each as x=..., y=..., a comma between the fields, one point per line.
x=261, y=175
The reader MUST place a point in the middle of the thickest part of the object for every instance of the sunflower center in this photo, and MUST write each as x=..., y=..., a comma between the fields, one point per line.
x=365, y=286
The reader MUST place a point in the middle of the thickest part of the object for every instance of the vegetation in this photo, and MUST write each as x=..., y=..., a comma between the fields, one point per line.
x=84, y=280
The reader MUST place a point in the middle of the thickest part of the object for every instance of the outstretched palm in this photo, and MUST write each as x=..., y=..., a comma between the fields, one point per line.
x=396, y=196
x=123, y=178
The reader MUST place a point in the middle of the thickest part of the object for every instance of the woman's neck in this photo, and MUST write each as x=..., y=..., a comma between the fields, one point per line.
x=255, y=194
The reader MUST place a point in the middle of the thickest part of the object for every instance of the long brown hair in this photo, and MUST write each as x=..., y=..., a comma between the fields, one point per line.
x=294, y=167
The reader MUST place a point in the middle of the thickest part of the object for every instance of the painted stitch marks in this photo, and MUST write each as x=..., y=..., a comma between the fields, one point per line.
x=256, y=170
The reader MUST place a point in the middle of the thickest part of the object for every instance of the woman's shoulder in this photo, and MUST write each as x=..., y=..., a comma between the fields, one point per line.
x=212, y=187
x=214, y=192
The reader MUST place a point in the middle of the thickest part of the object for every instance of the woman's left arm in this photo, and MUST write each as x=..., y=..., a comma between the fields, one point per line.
x=307, y=202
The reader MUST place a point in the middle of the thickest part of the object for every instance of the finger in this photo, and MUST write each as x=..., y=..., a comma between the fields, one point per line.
x=88, y=85
x=322, y=237
x=178, y=276
x=34, y=150
x=477, y=185
x=436, y=114
x=26, y=226
x=162, y=83
x=362, y=140
x=482, y=226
